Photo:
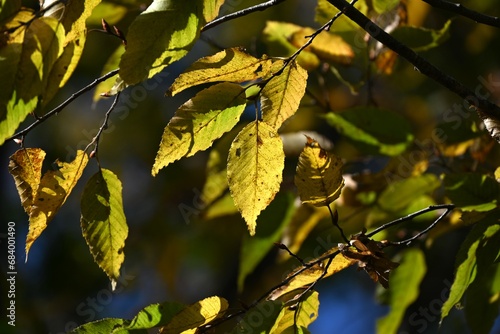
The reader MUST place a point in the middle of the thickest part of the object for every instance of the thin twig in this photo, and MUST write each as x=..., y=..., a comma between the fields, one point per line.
x=335, y=221
x=240, y=13
x=484, y=107
x=465, y=12
x=60, y=107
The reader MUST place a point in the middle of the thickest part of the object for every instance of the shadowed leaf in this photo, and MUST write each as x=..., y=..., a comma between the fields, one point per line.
x=103, y=222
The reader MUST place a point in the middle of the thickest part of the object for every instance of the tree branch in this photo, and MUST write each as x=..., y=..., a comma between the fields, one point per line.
x=465, y=12
x=60, y=107
x=240, y=13
x=484, y=107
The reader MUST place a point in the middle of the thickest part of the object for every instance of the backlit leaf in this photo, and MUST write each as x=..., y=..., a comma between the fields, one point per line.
x=382, y=6
x=319, y=175
x=254, y=170
x=106, y=325
x=198, y=122
x=155, y=315
x=472, y=191
x=327, y=46
x=254, y=249
x=405, y=284
x=211, y=9
x=292, y=319
x=160, y=35
x=233, y=65
x=103, y=222
x=325, y=11
x=196, y=315
x=109, y=86
x=311, y=273
x=281, y=96
x=53, y=190
x=373, y=130
x=25, y=166
x=466, y=261
x=422, y=39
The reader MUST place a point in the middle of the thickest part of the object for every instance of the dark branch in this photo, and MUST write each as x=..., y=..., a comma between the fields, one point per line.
x=60, y=107
x=465, y=12
x=240, y=13
x=484, y=107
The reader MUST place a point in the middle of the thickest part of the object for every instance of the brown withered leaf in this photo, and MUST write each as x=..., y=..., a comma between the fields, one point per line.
x=370, y=257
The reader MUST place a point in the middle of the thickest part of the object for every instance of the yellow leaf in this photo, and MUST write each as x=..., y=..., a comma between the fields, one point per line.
x=211, y=9
x=26, y=167
x=327, y=46
x=231, y=65
x=196, y=315
x=198, y=122
x=254, y=170
x=55, y=187
x=319, y=175
x=311, y=274
x=112, y=85
x=103, y=222
x=292, y=319
x=282, y=94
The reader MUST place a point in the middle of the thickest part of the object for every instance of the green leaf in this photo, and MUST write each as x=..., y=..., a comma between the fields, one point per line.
x=405, y=283
x=155, y=315
x=254, y=170
x=373, y=130
x=472, y=191
x=382, y=6
x=466, y=262
x=101, y=326
x=196, y=315
x=103, y=222
x=160, y=35
x=281, y=96
x=319, y=175
x=110, y=86
x=24, y=83
x=325, y=11
x=260, y=319
x=211, y=9
x=254, y=249
x=292, y=321
x=422, y=39
x=400, y=194
x=198, y=122
x=233, y=65
x=43, y=197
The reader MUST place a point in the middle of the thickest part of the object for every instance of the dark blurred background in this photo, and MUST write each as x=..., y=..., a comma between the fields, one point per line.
x=169, y=257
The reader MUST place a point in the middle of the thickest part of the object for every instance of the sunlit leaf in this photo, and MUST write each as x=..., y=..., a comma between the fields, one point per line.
x=327, y=46
x=254, y=249
x=276, y=36
x=198, y=122
x=196, y=315
x=466, y=261
x=53, y=190
x=103, y=222
x=106, y=325
x=319, y=175
x=106, y=87
x=382, y=6
x=325, y=11
x=254, y=170
x=160, y=35
x=233, y=65
x=472, y=191
x=267, y=312
x=211, y=9
x=41, y=45
x=422, y=39
x=405, y=284
x=25, y=166
x=281, y=96
x=373, y=130
x=291, y=319
x=304, y=276
x=154, y=315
